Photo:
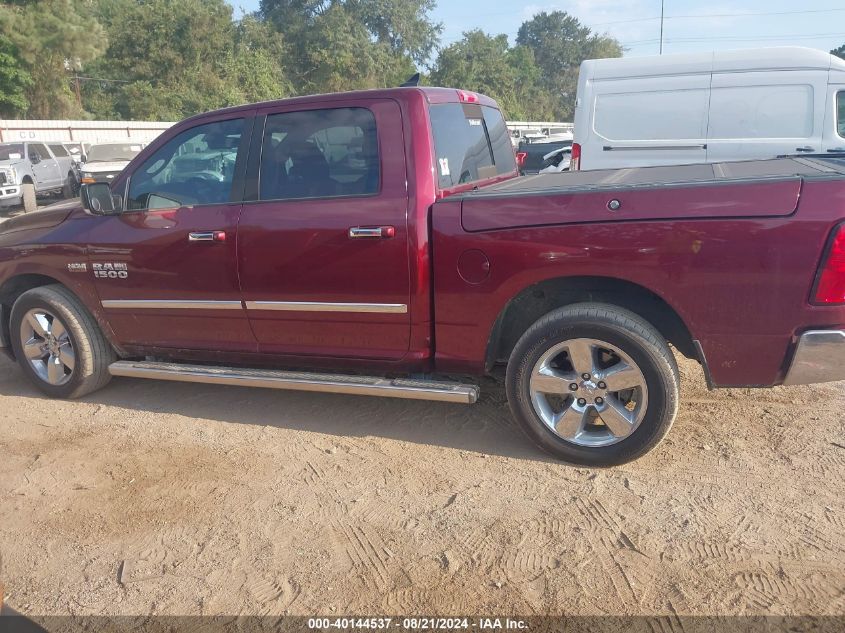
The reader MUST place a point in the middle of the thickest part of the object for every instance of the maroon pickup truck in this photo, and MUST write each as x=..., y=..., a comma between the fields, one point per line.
x=369, y=242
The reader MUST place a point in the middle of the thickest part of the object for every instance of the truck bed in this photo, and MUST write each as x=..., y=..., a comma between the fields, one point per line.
x=750, y=189
x=777, y=168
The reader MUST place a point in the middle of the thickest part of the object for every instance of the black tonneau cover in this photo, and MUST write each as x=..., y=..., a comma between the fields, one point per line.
x=777, y=168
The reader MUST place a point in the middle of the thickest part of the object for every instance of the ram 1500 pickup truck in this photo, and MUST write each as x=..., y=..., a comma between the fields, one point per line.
x=378, y=242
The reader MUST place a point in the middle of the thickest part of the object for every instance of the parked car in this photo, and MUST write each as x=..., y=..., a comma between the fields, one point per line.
x=366, y=241
x=77, y=151
x=534, y=158
x=708, y=107
x=104, y=161
x=29, y=169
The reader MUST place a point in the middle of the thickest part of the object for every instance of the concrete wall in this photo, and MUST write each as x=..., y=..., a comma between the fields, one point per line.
x=90, y=131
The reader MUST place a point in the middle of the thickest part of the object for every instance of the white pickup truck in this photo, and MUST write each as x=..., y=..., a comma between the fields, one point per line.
x=33, y=168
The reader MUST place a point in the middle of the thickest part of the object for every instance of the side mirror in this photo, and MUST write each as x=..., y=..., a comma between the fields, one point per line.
x=97, y=198
x=34, y=158
x=83, y=158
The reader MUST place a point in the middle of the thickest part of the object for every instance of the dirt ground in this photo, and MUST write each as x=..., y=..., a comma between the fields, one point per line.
x=166, y=498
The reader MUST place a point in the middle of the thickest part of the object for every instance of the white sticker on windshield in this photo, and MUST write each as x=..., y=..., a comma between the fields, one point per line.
x=444, y=166
x=15, y=156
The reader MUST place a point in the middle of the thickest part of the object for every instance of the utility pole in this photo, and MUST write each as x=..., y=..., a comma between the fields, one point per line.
x=661, y=25
x=78, y=93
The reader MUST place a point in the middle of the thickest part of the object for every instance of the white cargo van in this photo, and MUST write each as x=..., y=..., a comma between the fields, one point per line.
x=708, y=107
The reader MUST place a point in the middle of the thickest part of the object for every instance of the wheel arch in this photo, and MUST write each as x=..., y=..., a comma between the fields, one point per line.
x=20, y=283
x=538, y=299
x=27, y=180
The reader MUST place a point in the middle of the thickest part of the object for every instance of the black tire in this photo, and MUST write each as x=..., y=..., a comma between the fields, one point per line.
x=28, y=200
x=93, y=353
x=68, y=187
x=629, y=333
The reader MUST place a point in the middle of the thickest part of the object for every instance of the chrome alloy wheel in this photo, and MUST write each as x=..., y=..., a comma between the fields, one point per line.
x=47, y=347
x=589, y=392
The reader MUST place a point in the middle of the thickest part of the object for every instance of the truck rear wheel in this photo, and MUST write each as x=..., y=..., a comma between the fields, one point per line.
x=28, y=197
x=58, y=343
x=593, y=384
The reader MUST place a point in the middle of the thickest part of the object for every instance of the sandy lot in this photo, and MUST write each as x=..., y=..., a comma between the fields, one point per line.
x=186, y=499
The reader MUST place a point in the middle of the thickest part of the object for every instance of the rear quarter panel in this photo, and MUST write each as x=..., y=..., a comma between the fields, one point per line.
x=740, y=284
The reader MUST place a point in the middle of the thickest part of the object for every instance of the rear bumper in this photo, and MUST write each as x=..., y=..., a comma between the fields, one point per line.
x=819, y=357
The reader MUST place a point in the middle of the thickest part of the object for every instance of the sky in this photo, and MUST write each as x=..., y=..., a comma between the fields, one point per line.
x=689, y=26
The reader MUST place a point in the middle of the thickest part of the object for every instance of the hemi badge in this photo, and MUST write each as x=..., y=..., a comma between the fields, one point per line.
x=77, y=268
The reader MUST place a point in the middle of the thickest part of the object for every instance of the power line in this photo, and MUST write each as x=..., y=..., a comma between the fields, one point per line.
x=738, y=38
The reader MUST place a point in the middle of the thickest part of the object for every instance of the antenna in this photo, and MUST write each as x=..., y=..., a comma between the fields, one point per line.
x=413, y=80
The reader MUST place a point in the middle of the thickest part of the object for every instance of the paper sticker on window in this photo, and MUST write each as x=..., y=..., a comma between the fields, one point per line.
x=15, y=156
x=444, y=166
x=474, y=122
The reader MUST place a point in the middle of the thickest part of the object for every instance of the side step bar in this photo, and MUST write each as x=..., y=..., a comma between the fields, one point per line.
x=300, y=381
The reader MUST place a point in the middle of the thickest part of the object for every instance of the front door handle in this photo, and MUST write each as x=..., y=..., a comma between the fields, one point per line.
x=207, y=236
x=837, y=150
x=806, y=148
x=372, y=231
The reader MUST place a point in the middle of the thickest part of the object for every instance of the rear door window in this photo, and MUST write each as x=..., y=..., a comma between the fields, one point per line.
x=320, y=154
x=471, y=143
x=39, y=150
x=58, y=150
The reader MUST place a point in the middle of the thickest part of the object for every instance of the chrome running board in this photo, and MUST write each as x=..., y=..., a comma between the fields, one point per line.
x=300, y=381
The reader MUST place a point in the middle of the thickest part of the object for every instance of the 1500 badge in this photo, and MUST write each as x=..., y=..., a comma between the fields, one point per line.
x=111, y=271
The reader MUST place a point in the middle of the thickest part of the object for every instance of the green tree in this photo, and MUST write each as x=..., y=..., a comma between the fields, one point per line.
x=168, y=59
x=560, y=43
x=350, y=44
x=839, y=52
x=14, y=81
x=52, y=40
x=485, y=63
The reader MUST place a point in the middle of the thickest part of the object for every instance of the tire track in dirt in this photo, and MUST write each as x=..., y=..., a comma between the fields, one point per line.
x=605, y=536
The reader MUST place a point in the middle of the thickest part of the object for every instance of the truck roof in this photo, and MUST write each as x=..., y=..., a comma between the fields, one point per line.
x=755, y=59
x=568, y=182
x=431, y=94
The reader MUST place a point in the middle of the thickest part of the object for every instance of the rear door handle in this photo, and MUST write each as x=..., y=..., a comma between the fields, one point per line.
x=372, y=231
x=806, y=148
x=837, y=150
x=207, y=236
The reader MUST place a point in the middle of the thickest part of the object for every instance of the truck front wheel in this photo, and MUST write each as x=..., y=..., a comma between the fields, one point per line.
x=58, y=343
x=593, y=384
x=28, y=197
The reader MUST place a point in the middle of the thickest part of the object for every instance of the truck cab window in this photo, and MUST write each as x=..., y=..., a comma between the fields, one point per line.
x=471, y=143
x=319, y=154
x=196, y=167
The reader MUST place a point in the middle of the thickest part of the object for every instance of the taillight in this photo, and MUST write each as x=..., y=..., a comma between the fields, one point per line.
x=830, y=287
x=520, y=159
x=575, y=162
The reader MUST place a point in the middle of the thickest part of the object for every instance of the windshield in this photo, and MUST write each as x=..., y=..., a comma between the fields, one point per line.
x=11, y=151
x=113, y=152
